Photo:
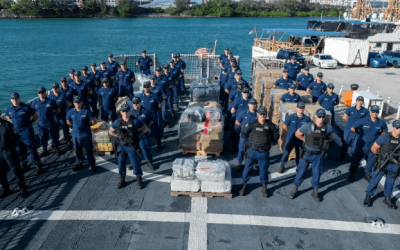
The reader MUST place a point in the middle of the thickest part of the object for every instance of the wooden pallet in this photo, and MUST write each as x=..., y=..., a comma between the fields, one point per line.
x=200, y=152
x=201, y=194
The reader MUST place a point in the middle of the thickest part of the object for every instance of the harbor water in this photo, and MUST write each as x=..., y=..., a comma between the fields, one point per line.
x=37, y=52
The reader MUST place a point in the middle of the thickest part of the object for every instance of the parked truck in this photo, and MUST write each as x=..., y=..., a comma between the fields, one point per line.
x=347, y=51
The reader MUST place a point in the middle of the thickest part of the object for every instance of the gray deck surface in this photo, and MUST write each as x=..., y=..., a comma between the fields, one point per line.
x=83, y=210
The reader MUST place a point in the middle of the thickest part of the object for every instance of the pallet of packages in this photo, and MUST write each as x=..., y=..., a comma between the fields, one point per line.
x=258, y=74
x=267, y=83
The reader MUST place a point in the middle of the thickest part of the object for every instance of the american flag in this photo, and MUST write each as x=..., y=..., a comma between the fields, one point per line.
x=206, y=51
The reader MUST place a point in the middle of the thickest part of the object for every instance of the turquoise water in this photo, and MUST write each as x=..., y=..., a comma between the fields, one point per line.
x=38, y=52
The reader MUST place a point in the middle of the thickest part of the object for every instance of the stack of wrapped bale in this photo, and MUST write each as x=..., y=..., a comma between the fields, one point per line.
x=310, y=112
x=101, y=138
x=183, y=176
x=201, y=128
x=202, y=90
x=285, y=109
x=267, y=83
x=215, y=176
x=258, y=74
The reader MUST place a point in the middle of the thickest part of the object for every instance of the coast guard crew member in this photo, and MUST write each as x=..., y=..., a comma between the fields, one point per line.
x=47, y=109
x=146, y=118
x=284, y=81
x=60, y=119
x=350, y=138
x=291, y=96
x=293, y=68
x=125, y=77
x=316, y=136
x=238, y=77
x=68, y=94
x=174, y=71
x=170, y=82
x=96, y=76
x=329, y=100
x=243, y=118
x=369, y=128
x=304, y=79
x=9, y=158
x=71, y=77
x=82, y=88
x=182, y=65
x=239, y=105
x=383, y=147
x=108, y=97
x=259, y=135
x=20, y=115
x=92, y=99
x=81, y=118
x=223, y=57
x=291, y=124
x=128, y=129
x=106, y=73
x=112, y=65
x=152, y=104
x=144, y=62
x=317, y=87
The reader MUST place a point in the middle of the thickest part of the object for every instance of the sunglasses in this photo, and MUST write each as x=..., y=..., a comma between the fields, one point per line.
x=40, y=93
x=146, y=87
x=263, y=114
x=374, y=112
x=136, y=103
x=321, y=117
x=124, y=111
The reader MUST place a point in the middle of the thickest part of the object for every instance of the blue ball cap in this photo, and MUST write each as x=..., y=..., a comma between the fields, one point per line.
x=41, y=89
x=77, y=99
x=166, y=65
x=331, y=86
x=153, y=76
x=103, y=62
x=234, y=65
x=84, y=67
x=14, y=95
x=94, y=64
x=306, y=68
x=301, y=105
x=253, y=101
x=262, y=110
x=123, y=62
x=292, y=86
x=146, y=83
x=136, y=100
x=245, y=90
x=396, y=124
x=63, y=79
x=110, y=55
x=77, y=73
x=55, y=86
x=360, y=98
x=158, y=69
x=238, y=72
x=320, y=112
x=230, y=53
x=71, y=71
x=320, y=74
x=171, y=61
x=144, y=51
x=240, y=82
x=175, y=56
x=105, y=79
x=226, y=48
x=293, y=57
x=285, y=71
x=375, y=108
x=125, y=107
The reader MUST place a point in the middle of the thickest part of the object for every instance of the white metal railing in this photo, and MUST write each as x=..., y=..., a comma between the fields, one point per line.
x=131, y=61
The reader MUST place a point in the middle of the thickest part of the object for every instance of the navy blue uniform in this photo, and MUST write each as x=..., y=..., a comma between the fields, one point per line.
x=146, y=118
x=349, y=137
x=369, y=132
x=21, y=119
x=175, y=73
x=316, y=160
x=81, y=133
x=47, y=126
x=82, y=90
x=92, y=99
x=151, y=103
x=60, y=118
x=113, y=67
x=68, y=94
x=317, y=89
x=145, y=64
x=293, y=70
x=244, y=118
x=70, y=81
x=390, y=170
x=182, y=65
x=328, y=102
x=124, y=79
x=235, y=87
x=105, y=73
x=288, y=98
x=304, y=80
x=108, y=109
x=293, y=122
x=283, y=83
x=129, y=151
x=169, y=81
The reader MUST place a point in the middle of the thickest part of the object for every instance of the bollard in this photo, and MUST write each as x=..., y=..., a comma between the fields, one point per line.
x=341, y=90
x=387, y=107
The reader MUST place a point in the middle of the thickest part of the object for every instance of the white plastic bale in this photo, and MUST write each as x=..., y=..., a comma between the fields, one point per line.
x=219, y=186
x=211, y=171
x=202, y=90
x=183, y=168
x=189, y=185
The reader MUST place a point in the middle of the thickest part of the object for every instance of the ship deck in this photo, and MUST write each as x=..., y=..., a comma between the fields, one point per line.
x=85, y=210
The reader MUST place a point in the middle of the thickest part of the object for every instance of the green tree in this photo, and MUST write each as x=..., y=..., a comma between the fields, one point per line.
x=124, y=8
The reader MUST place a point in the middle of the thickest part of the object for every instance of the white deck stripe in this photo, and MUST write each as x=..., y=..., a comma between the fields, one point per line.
x=198, y=224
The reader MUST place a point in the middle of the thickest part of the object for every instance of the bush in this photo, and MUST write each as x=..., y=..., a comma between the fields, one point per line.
x=124, y=8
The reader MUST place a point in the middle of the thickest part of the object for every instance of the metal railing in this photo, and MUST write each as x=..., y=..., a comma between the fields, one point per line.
x=131, y=61
x=266, y=62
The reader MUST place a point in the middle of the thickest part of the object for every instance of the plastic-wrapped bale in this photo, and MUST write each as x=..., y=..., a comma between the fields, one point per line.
x=304, y=96
x=189, y=128
x=285, y=109
x=203, y=90
x=267, y=83
x=121, y=101
x=140, y=79
x=276, y=95
x=276, y=74
x=258, y=74
x=310, y=112
x=211, y=171
x=188, y=185
x=211, y=138
x=219, y=186
x=183, y=168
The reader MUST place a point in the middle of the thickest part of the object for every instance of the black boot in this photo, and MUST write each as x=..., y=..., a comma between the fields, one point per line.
x=23, y=192
x=166, y=123
x=242, y=190
x=78, y=167
x=367, y=201
x=174, y=116
x=368, y=177
x=6, y=191
x=94, y=168
x=159, y=146
x=70, y=144
x=39, y=170
x=281, y=168
x=129, y=167
x=139, y=182
x=44, y=152
x=234, y=150
x=264, y=190
x=342, y=157
x=24, y=167
x=389, y=203
x=315, y=195
x=351, y=177
x=121, y=182
x=239, y=166
x=293, y=194
x=58, y=151
x=150, y=165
